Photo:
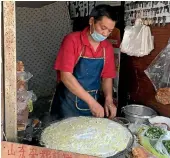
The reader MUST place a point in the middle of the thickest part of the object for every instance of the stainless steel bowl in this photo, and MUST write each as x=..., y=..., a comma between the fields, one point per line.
x=139, y=113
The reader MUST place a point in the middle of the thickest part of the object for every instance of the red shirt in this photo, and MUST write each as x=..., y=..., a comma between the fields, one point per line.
x=71, y=48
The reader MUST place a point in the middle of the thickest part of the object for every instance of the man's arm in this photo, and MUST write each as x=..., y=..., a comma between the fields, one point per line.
x=73, y=85
x=109, y=72
x=110, y=108
x=107, y=87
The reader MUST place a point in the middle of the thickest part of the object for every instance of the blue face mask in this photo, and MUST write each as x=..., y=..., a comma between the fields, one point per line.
x=97, y=36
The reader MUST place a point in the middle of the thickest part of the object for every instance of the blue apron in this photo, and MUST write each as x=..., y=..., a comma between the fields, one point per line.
x=88, y=73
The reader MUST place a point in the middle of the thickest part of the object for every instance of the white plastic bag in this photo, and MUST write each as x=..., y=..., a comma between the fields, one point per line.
x=160, y=146
x=137, y=40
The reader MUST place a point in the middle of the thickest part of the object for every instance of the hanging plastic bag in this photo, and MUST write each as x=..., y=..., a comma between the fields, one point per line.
x=24, y=76
x=22, y=80
x=22, y=118
x=24, y=100
x=137, y=40
x=159, y=74
x=157, y=71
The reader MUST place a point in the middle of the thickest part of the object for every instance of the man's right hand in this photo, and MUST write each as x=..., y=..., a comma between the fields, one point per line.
x=96, y=109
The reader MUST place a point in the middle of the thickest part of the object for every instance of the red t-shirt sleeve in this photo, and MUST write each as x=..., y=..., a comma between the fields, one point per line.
x=65, y=60
x=109, y=70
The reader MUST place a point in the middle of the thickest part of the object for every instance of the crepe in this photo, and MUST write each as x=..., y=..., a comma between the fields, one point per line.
x=87, y=135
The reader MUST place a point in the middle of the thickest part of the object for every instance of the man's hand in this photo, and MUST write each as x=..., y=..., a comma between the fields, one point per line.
x=110, y=108
x=96, y=109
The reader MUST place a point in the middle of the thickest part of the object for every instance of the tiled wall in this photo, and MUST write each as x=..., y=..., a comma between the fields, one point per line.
x=40, y=32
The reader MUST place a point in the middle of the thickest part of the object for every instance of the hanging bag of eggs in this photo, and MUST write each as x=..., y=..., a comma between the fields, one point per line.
x=137, y=40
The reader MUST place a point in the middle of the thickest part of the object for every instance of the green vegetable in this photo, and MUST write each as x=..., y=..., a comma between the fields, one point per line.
x=166, y=143
x=154, y=133
x=144, y=141
x=30, y=105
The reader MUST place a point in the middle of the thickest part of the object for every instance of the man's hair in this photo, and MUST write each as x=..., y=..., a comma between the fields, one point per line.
x=103, y=10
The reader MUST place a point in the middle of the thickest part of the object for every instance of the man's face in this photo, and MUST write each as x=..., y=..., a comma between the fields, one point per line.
x=104, y=26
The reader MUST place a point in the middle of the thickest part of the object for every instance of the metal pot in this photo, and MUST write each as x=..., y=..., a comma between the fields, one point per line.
x=138, y=113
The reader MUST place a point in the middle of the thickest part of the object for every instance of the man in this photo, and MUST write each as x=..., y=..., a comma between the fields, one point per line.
x=85, y=61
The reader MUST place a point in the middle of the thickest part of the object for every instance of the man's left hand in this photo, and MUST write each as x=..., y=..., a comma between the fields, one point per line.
x=110, y=108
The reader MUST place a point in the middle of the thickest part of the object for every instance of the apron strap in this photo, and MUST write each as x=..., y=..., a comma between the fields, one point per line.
x=104, y=57
x=82, y=52
x=104, y=54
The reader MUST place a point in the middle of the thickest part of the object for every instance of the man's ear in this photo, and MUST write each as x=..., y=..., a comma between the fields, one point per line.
x=91, y=21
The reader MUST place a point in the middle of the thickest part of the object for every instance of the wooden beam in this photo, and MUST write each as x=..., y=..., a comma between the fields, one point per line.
x=10, y=70
x=33, y=4
x=2, y=75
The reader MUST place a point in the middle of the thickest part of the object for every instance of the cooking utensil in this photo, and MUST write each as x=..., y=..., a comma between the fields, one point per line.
x=138, y=113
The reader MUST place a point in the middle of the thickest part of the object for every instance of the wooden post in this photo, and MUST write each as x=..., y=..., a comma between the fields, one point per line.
x=2, y=75
x=10, y=70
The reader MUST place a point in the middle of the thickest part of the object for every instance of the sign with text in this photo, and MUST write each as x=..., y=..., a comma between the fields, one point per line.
x=80, y=8
x=15, y=150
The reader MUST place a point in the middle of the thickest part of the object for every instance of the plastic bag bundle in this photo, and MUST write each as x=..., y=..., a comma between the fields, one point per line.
x=159, y=74
x=25, y=101
x=161, y=144
x=137, y=40
x=23, y=116
x=22, y=80
x=25, y=98
x=156, y=140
